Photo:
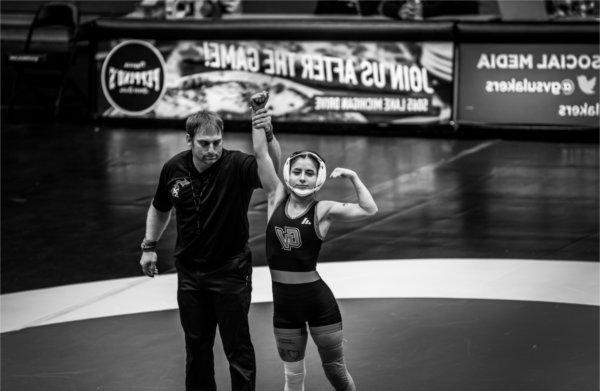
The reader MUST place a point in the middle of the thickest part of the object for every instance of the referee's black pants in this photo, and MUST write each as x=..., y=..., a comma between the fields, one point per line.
x=207, y=299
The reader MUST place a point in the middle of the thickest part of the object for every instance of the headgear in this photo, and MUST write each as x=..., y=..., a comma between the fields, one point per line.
x=321, y=173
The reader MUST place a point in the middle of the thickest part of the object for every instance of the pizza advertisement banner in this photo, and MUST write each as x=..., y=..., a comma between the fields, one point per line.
x=529, y=84
x=132, y=77
x=308, y=81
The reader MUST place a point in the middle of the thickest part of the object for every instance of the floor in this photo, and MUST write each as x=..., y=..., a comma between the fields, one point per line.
x=480, y=271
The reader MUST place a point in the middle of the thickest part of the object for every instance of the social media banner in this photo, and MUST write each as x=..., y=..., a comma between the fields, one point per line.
x=529, y=84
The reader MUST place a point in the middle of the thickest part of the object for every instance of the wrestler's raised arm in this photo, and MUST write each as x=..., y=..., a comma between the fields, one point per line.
x=261, y=121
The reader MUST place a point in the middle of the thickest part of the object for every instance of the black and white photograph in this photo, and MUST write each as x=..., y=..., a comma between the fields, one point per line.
x=300, y=195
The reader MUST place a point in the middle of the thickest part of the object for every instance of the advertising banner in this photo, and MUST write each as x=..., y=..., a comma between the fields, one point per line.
x=331, y=82
x=529, y=84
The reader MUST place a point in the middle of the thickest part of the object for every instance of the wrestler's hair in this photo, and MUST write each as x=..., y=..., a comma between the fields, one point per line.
x=305, y=154
x=207, y=122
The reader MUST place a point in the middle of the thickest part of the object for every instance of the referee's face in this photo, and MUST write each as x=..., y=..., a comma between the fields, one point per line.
x=206, y=148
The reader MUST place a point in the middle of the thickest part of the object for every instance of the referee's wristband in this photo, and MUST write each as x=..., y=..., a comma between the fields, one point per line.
x=148, y=245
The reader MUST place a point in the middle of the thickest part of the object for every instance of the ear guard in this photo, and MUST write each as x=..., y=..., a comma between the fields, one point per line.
x=321, y=174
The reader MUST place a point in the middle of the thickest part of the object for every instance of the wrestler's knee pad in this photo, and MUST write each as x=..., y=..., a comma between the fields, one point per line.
x=291, y=344
x=294, y=375
x=329, y=344
x=329, y=341
x=337, y=373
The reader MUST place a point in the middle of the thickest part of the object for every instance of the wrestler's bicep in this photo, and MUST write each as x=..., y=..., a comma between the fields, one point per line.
x=345, y=211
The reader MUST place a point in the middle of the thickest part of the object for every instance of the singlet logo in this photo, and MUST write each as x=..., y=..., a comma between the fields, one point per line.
x=306, y=221
x=289, y=237
x=179, y=184
x=133, y=77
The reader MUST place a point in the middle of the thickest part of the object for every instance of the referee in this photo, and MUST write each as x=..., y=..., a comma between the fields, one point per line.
x=210, y=189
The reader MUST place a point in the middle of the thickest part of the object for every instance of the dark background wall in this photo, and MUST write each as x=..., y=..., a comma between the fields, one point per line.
x=15, y=18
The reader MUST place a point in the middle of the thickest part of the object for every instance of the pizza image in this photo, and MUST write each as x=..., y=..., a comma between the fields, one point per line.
x=228, y=93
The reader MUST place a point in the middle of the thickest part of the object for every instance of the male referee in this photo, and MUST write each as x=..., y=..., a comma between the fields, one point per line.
x=210, y=188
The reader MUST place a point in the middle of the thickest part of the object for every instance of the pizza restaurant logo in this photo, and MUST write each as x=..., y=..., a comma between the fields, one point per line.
x=133, y=77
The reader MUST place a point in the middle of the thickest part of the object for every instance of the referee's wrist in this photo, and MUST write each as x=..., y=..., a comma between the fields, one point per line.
x=148, y=245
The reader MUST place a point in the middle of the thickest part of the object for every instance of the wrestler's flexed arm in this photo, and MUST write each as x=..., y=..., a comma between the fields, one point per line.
x=329, y=211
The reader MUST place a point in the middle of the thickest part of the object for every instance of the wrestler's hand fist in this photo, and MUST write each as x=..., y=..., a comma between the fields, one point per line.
x=259, y=100
x=340, y=172
x=148, y=263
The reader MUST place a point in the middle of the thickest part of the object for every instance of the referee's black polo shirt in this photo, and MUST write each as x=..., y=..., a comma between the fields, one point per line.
x=211, y=207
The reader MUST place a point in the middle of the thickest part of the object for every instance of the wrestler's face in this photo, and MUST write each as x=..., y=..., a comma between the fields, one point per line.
x=207, y=147
x=303, y=173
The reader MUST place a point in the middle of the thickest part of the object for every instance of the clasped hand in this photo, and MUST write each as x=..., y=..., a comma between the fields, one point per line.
x=261, y=119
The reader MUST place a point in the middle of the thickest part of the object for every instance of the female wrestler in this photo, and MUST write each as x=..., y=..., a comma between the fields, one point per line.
x=297, y=225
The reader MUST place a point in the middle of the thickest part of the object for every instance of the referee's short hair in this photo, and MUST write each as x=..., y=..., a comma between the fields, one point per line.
x=207, y=122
